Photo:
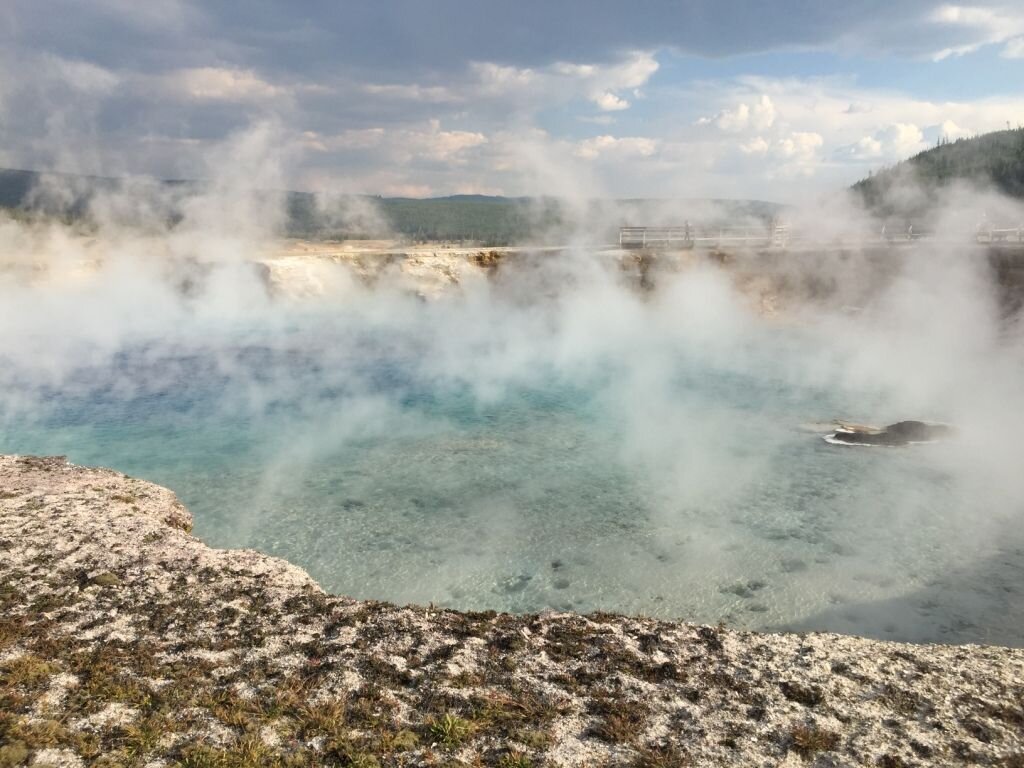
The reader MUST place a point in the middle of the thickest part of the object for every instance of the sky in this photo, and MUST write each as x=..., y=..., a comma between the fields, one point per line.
x=781, y=101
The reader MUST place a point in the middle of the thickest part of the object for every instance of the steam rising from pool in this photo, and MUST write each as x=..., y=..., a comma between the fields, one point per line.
x=550, y=437
x=557, y=439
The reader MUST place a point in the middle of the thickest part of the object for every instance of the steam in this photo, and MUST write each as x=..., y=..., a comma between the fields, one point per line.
x=674, y=410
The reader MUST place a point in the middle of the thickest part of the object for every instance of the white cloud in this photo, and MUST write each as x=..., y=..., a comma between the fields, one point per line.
x=363, y=138
x=756, y=146
x=900, y=141
x=221, y=84
x=763, y=114
x=985, y=25
x=758, y=117
x=400, y=145
x=969, y=16
x=800, y=146
x=1014, y=49
x=789, y=155
x=498, y=80
x=893, y=142
x=633, y=72
x=761, y=137
x=732, y=120
x=865, y=149
x=574, y=70
x=525, y=89
x=601, y=83
x=811, y=140
x=903, y=138
x=857, y=126
x=950, y=130
x=445, y=145
x=624, y=147
x=609, y=102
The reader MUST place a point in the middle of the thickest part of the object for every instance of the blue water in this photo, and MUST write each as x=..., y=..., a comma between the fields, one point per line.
x=675, y=482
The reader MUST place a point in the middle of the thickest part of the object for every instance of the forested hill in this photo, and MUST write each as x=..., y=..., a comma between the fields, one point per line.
x=992, y=160
x=478, y=218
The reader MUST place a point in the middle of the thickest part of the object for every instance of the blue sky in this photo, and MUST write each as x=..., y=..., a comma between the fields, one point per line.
x=662, y=98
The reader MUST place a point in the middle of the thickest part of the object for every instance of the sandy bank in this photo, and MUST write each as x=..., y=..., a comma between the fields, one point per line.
x=124, y=640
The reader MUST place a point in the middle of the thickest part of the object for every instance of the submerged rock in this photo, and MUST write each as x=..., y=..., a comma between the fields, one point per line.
x=743, y=589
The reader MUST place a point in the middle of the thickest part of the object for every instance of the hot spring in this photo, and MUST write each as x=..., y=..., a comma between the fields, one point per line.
x=557, y=443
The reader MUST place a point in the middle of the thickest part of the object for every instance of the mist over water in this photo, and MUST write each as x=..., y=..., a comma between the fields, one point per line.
x=555, y=438
x=550, y=436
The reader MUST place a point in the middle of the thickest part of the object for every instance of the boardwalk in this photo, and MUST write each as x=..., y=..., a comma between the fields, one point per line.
x=779, y=236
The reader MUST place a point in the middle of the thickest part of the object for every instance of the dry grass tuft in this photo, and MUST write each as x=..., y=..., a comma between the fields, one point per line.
x=808, y=740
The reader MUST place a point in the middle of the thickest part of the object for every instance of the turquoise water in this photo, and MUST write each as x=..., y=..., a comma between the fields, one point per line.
x=411, y=458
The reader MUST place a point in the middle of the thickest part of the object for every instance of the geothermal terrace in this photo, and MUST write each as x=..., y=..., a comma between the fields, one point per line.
x=124, y=640
x=771, y=277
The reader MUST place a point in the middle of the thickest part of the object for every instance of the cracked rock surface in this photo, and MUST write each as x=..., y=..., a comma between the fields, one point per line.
x=125, y=641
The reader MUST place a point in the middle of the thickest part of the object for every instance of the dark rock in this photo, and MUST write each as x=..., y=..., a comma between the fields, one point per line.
x=900, y=433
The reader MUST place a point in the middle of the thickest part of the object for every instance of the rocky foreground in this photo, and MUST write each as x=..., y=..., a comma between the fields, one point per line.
x=126, y=641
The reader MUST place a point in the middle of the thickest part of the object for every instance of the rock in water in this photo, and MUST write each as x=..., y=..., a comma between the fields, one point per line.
x=900, y=433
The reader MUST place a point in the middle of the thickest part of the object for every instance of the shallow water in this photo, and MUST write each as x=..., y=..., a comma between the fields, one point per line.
x=676, y=484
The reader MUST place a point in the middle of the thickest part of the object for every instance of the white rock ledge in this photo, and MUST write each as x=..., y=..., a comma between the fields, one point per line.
x=124, y=640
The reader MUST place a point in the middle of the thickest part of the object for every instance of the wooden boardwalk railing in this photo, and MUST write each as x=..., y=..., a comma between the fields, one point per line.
x=692, y=236
x=781, y=236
